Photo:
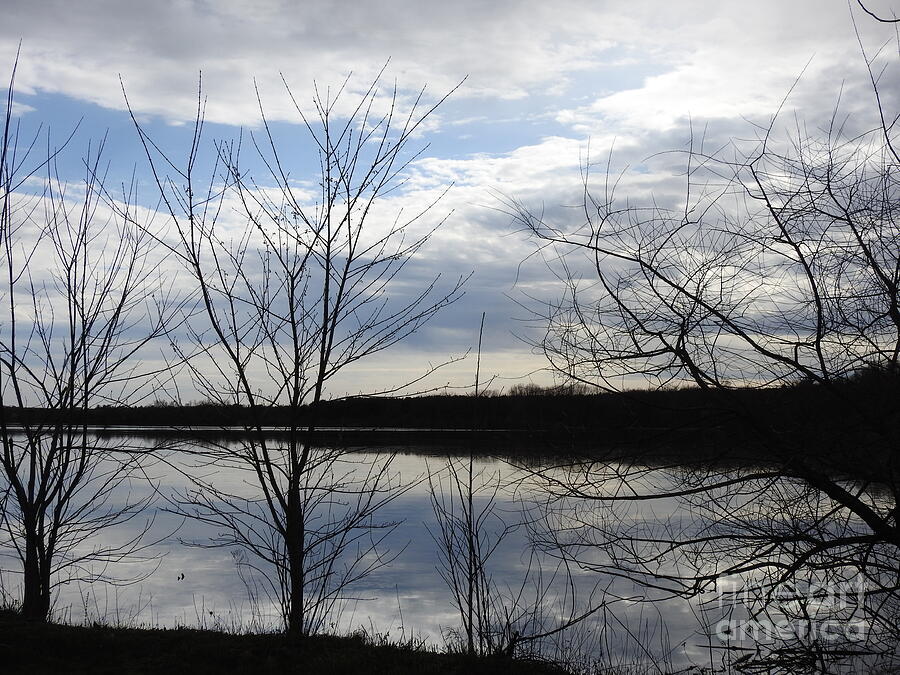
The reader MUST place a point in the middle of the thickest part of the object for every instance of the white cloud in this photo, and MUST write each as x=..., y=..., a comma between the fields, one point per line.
x=737, y=60
x=722, y=55
x=19, y=109
x=159, y=48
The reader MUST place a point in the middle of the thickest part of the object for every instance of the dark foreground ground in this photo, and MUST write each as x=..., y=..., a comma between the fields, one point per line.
x=49, y=648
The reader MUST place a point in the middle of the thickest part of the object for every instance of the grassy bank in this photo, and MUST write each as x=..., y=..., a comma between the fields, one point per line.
x=52, y=648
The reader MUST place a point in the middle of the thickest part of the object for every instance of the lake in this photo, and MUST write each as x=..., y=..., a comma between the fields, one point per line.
x=179, y=579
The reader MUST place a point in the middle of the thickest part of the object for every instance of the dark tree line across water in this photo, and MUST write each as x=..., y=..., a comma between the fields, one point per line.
x=808, y=417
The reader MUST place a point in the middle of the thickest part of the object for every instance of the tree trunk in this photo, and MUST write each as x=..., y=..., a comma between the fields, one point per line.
x=36, y=600
x=294, y=545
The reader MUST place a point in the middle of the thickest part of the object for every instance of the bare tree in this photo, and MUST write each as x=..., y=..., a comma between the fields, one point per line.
x=80, y=305
x=468, y=532
x=781, y=266
x=471, y=526
x=521, y=615
x=310, y=285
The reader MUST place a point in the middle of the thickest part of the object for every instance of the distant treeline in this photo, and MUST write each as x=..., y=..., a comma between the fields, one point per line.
x=861, y=409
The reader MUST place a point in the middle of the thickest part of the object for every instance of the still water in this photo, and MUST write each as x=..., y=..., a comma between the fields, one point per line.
x=179, y=579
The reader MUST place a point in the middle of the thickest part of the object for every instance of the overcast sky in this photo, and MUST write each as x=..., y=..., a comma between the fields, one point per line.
x=542, y=79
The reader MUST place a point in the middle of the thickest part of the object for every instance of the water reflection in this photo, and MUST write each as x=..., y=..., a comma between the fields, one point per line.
x=194, y=585
x=191, y=584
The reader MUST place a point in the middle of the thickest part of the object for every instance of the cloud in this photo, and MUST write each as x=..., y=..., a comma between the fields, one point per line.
x=159, y=48
x=19, y=109
x=719, y=55
x=737, y=61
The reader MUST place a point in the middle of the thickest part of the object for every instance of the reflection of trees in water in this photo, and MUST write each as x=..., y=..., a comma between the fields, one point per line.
x=748, y=550
x=532, y=611
x=343, y=539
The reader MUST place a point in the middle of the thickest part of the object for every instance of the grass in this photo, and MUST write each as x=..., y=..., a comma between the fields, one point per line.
x=35, y=648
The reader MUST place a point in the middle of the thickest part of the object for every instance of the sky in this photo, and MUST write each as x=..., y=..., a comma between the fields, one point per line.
x=543, y=88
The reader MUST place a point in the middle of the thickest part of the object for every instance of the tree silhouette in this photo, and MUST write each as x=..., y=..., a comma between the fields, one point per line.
x=309, y=286
x=780, y=267
x=80, y=302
